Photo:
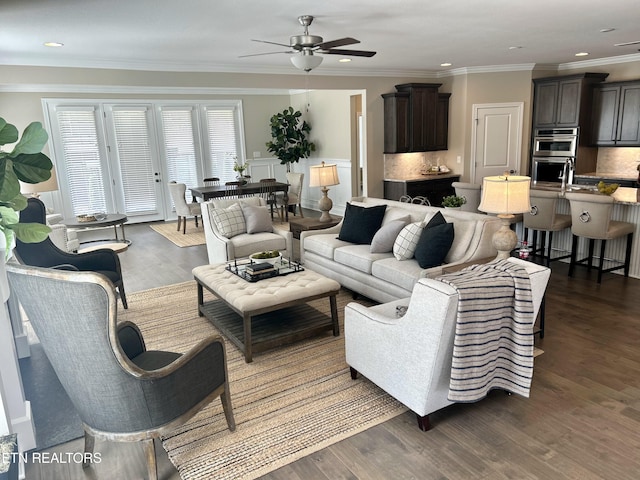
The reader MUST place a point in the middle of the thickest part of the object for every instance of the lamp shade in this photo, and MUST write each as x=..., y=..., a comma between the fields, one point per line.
x=306, y=60
x=505, y=194
x=49, y=185
x=323, y=175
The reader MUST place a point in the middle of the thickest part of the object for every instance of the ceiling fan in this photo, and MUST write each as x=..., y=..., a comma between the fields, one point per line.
x=302, y=47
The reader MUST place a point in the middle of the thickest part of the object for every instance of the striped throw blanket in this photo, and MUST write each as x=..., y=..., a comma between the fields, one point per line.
x=493, y=346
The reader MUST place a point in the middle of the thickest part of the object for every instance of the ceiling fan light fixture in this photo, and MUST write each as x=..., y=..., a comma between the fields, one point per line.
x=306, y=60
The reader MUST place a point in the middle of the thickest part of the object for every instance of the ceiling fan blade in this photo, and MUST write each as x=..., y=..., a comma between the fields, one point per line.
x=267, y=53
x=355, y=53
x=341, y=42
x=272, y=43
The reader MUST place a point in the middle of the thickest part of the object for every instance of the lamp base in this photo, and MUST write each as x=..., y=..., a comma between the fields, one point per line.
x=505, y=239
x=325, y=205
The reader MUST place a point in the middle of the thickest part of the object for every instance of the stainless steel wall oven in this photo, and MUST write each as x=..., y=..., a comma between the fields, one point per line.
x=554, y=156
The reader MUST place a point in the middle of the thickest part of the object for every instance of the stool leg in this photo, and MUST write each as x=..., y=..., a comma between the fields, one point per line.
x=627, y=257
x=603, y=243
x=592, y=243
x=549, y=248
x=574, y=254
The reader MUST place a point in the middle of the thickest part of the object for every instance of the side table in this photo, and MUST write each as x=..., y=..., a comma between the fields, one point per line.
x=297, y=225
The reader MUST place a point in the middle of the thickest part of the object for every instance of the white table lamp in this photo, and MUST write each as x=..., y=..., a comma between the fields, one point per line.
x=505, y=195
x=324, y=176
x=35, y=189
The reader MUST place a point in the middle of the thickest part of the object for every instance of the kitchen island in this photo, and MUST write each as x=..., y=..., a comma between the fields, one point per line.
x=626, y=208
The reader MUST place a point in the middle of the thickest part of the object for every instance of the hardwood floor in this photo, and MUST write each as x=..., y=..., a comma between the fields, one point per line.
x=582, y=420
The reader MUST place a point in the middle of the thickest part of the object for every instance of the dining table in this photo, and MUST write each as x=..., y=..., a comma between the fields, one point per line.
x=251, y=188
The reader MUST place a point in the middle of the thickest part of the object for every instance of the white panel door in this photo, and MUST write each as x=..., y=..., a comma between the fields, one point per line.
x=497, y=140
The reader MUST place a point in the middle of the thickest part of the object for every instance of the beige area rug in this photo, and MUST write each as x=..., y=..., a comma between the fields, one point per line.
x=290, y=402
x=193, y=236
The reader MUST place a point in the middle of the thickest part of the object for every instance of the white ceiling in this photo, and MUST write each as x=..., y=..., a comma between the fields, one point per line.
x=412, y=37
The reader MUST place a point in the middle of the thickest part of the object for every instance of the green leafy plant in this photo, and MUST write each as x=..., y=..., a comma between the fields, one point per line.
x=289, y=140
x=453, y=201
x=25, y=163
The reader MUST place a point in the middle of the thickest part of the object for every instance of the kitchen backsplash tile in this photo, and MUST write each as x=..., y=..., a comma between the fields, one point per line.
x=409, y=165
x=619, y=160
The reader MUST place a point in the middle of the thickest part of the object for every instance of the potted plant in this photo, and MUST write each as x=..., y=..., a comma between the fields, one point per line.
x=453, y=201
x=289, y=140
x=239, y=168
x=25, y=163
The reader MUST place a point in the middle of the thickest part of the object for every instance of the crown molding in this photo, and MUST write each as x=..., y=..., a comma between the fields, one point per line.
x=599, y=62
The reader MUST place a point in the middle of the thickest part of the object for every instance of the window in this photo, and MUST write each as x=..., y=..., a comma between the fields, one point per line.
x=223, y=142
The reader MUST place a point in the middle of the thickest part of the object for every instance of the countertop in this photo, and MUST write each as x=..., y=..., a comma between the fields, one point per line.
x=623, y=195
x=422, y=178
x=608, y=175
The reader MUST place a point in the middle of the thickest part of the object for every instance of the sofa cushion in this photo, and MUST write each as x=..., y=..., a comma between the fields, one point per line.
x=384, y=238
x=406, y=241
x=434, y=244
x=361, y=224
x=358, y=257
x=245, y=244
x=324, y=244
x=258, y=219
x=227, y=202
x=403, y=274
x=228, y=221
x=463, y=234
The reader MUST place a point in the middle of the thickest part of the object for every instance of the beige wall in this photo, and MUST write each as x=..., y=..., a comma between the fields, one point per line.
x=466, y=89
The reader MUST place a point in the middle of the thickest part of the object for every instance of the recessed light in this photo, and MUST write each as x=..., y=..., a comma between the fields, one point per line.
x=515, y=48
x=582, y=54
x=53, y=44
x=344, y=60
x=606, y=30
x=446, y=64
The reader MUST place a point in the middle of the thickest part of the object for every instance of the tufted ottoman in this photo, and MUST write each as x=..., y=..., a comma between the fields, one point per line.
x=272, y=311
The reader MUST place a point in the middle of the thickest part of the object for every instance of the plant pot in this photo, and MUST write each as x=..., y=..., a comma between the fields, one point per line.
x=272, y=260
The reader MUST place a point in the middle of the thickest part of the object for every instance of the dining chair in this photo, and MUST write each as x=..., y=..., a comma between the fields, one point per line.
x=591, y=219
x=294, y=202
x=183, y=209
x=211, y=182
x=268, y=193
x=231, y=189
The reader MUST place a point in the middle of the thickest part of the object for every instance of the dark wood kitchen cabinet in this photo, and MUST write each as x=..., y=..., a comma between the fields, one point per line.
x=616, y=114
x=416, y=118
x=564, y=101
x=434, y=187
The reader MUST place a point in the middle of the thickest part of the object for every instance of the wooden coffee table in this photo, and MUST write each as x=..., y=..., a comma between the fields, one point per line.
x=257, y=316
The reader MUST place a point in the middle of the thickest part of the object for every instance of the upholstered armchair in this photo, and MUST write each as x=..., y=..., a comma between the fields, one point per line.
x=121, y=390
x=46, y=254
x=183, y=209
x=410, y=357
x=236, y=228
x=63, y=238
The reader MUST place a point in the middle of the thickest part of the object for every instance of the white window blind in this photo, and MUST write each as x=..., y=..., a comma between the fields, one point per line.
x=179, y=143
x=222, y=136
x=133, y=150
x=81, y=150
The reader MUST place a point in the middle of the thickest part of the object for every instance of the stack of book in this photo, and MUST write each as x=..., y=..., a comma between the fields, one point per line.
x=258, y=271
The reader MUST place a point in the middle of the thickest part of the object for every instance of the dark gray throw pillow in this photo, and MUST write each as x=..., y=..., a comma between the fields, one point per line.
x=434, y=244
x=360, y=224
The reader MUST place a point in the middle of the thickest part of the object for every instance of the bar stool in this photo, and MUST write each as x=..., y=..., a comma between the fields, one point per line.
x=543, y=218
x=591, y=218
x=471, y=192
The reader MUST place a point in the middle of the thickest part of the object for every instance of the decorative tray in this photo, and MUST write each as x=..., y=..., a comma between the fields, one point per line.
x=242, y=268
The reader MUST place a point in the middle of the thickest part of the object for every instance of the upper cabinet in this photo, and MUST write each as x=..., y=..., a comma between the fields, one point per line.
x=564, y=101
x=416, y=118
x=616, y=115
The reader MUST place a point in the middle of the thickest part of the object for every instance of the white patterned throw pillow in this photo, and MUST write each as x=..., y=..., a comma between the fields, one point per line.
x=228, y=221
x=407, y=240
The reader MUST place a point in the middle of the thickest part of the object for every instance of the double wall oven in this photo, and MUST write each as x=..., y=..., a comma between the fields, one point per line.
x=554, y=156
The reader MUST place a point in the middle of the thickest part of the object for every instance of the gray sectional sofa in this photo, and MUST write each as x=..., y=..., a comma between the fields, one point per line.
x=380, y=276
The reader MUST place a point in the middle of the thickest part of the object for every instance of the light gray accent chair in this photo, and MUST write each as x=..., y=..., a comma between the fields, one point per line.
x=410, y=357
x=183, y=209
x=543, y=218
x=222, y=249
x=471, y=192
x=591, y=219
x=121, y=390
x=294, y=202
